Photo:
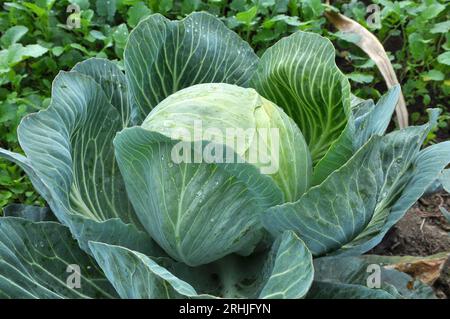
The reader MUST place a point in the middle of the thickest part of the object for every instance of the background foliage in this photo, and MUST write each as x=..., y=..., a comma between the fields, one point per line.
x=37, y=42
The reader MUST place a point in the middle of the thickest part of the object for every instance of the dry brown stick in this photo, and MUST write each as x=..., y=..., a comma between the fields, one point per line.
x=374, y=49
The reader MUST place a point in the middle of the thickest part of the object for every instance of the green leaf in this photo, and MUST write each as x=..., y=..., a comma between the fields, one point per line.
x=282, y=6
x=33, y=50
x=432, y=11
x=365, y=121
x=137, y=12
x=331, y=214
x=136, y=276
x=97, y=35
x=13, y=35
x=35, y=261
x=442, y=27
x=348, y=277
x=17, y=53
x=433, y=75
x=289, y=269
x=174, y=202
x=57, y=51
x=37, y=10
x=313, y=8
x=165, y=56
x=292, y=21
x=417, y=45
x=190, y=6
x=360, y=77
x=247, y=17
x=74, y=154
x=70, y=161
x=106, y=8
x=444, y=58
x=165, y=6
x=445, y=180
x=299, y=74
x=112, y=231
x=120, y=35
x=285, y=272
x=445, y=213
x=348, y=36
x=426, y=168
x=356, y=195
x=33, y=213
x=83, y=4
x=114, y=85
x=238, y=5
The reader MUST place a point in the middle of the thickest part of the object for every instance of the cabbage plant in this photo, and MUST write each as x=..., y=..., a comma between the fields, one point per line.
x=134, y=222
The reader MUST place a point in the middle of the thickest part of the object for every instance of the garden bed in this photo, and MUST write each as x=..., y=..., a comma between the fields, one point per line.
x=423, y=231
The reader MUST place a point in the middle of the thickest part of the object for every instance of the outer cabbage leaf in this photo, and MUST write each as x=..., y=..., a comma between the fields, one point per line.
x=285, y=272
x=136, y=276
x=114, y=85
x=356, y=196
x=348, y=277
x=445, y=180
x=114, y=232
x=299, y=74
x=426, y=167
x=34, y=261
x=197, y=212
x=164, y=56
x=365, y=120
x=72, y=154
x=33, y=213
x=289, y=270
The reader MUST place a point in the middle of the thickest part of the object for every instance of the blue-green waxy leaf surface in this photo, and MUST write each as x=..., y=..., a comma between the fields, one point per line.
x=289, y=269
x=426, y=167
x=33, y=213
x=114, y=84
x=115, y=232
x=363, y=278
x=327, y=217
x=345, y=208
x=70, y=157
x=164, y=56
x=72, y=154
x=78, y=159
x=445, y=180
x=197, y=212
x=136, y=276
x=285, y=272
x=37, y=260
x=299, y=74
x=365, y=120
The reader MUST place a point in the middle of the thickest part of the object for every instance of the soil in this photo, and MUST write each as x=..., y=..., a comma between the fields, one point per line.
x=423, y=231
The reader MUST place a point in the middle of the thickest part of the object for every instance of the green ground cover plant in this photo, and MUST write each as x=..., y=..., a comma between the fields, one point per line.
x=38, y=41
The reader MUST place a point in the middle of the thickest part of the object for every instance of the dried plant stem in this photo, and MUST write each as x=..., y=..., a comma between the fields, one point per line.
x=374, y=49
